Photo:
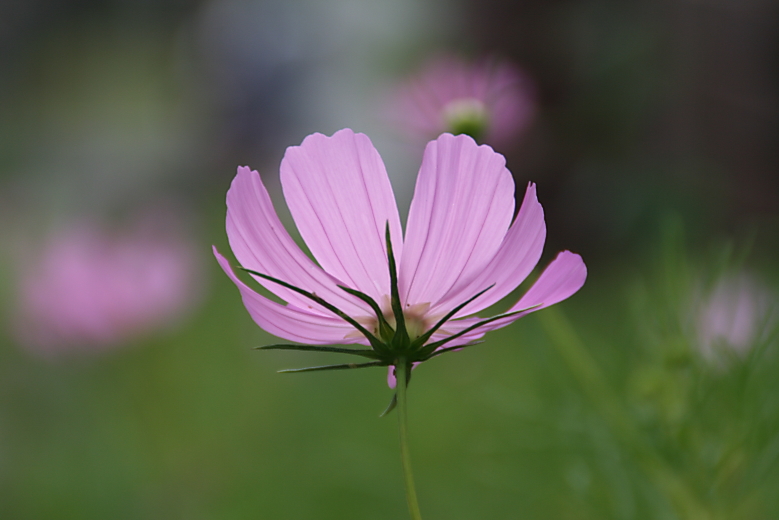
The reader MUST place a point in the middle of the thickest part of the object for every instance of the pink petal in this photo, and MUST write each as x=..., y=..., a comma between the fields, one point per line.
x=260, y=243
x=462, y=208
x=560, y=280
x=392, y=381
x=341, y=199
x=517, y=256
x=289, y=322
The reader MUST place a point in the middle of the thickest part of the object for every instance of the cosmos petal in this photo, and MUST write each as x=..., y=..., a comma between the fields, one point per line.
x=517, y=256
x=564, y=276
x=289, y=322
x=392, y=381
x=260, y=243
x=341, y=199
x=462, y=207
x=560, y=280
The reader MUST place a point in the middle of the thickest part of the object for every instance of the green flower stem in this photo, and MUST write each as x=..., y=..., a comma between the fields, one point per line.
x=586, y=371
x=401, y=375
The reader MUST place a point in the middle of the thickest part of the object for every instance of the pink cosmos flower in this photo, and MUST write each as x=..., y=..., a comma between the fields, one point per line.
x=88, y=290
x=736, y=314
x=490, y=100
x=408, y=297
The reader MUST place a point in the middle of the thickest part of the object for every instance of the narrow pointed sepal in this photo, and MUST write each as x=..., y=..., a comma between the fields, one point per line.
x=385, y=329
x=426, y=336
x=400, y=339
x=452, y=349
x=374, y=341
x=391, y=406
x=321, y=348
x=344, y=366
x=428, y=349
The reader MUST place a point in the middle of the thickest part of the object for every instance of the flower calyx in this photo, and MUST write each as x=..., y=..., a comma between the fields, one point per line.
x=391, y=344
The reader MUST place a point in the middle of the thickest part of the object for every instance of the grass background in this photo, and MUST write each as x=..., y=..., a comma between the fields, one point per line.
x=194, y=424
x=654, y=152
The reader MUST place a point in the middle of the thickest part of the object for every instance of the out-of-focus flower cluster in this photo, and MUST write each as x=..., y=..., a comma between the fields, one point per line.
x=87, y=289
x=491, y=101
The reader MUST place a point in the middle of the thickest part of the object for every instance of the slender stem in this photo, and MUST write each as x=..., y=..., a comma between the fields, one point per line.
x=401, y=373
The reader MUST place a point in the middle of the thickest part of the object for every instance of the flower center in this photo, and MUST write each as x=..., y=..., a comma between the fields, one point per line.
x=466, y=116
x=416, y=320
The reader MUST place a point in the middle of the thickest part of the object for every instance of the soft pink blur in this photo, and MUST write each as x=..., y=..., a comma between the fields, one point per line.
x=504, y=93
x=736, y=315
x=87, y=289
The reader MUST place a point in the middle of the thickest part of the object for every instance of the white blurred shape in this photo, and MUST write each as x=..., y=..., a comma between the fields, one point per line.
x=737, y=314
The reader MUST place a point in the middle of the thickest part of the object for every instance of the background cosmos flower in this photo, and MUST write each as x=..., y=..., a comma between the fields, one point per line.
x=490, y=100
x=737, y=314
x=459, y=240
x=87, y=289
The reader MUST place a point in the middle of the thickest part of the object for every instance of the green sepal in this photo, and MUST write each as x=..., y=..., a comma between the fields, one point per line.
x=452, y=349
x=426, y=352
x=374, y=341
x=344, y=366
x=391, y=406
x=385, y=329
x=322, y=348
x=426, y=336
x=400, y=339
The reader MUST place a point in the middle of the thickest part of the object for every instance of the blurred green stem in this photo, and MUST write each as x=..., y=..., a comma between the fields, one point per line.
x=586, y=371
x=402, y=370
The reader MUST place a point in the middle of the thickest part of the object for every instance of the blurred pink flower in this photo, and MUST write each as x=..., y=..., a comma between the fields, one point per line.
x=461, y=253
x=490, y=101
x=87, y=289
x=735, y=315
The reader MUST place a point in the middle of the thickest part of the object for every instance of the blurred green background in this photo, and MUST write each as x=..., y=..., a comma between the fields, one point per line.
x=654, y=150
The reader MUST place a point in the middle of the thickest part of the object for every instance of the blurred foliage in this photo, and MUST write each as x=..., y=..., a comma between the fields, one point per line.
x=612, y=414
x=601, y=408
